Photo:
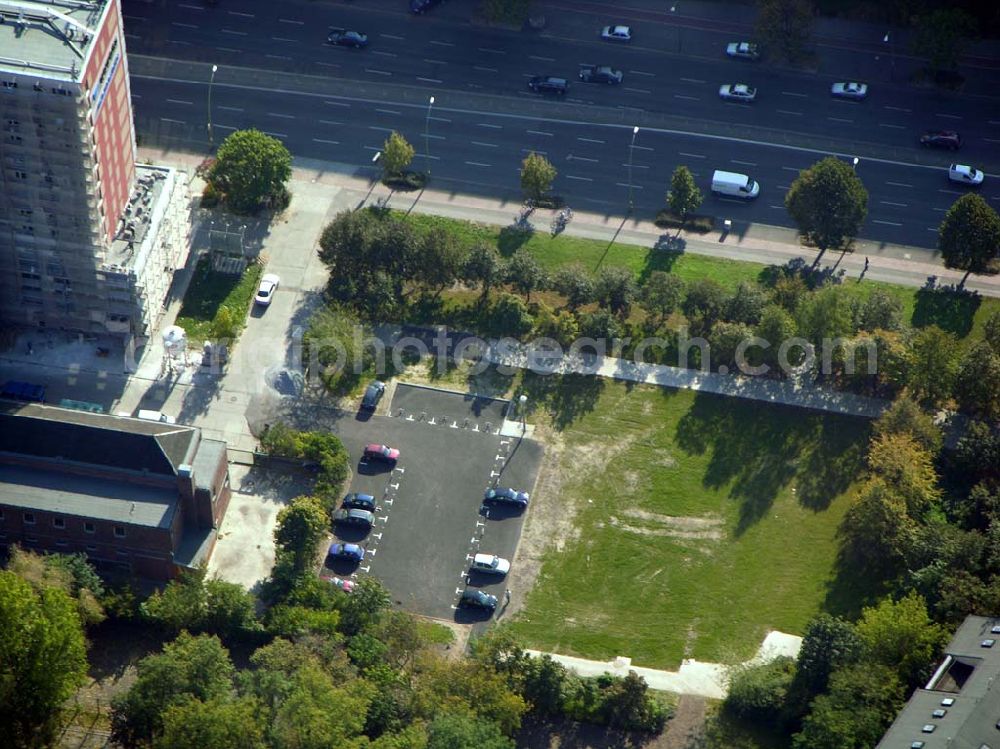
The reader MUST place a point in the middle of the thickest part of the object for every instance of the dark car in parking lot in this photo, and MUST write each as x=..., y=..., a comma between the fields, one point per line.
x=346, y=38
x=941, y=139
x=355, y=517
x=349, y=552
x=373, y=394
x=474, y=598
x=357, y=501
x=547, y=84
x=503, y=495
x=381, y=453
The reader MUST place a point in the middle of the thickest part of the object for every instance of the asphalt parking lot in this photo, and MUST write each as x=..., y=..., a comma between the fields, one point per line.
x=430, y=519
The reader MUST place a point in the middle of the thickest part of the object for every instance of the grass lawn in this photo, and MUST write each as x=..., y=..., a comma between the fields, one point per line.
x=700, y=522
x=209, y=291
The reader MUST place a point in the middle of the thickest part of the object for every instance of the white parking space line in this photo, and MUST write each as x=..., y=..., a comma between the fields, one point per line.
x=638, y=90
x=393, y=36
x=435, y=62
x=439, y=119
x=278, y=57
x=179, y=101
x=283, y=116
x=898, y=184
x=231, y=109
x=539, y=132
x=383, y=54
x=839, y=119
x=137, y=19
x=579, y=179
x=187, y=6
x=184, y=25
x=792, y=169
x=949, y=192
x=176, y=122
x=489, y=125
x=692, y=80
x=283, y=39
x=541, y=59
x=276, y=135
x=939, y=210
x=788, y=111
x=626, y=184
x=476, y=163
x=591, y=140
x=991, y=140
x=489, y=51
x=387, y=111
x=934, y=229
x=643, y=166
x=784, y=187
x=234, y=33
x=291, y=21
x=948, y=116
x=687, y=98
x=692, y=155
x=994, y=122
x=377, y=72
x=442, y=44
x=338, y=104
x=642, y=148
x=179, y=41
x=330, y=142
x=434, y=137
x=228, y=49
x=778, y=207
x=794, y=93
x=640, y=72
x=430, y=80
x=894, y=127
x=237, y=13
x=886, y=223
x=898, y=109
x=136, y=96
x=484, y=144
x=744, y=163
x=381, y=129
x=330, y=122
x=535, y=150
x=571, y=157
x=485, y=69
x=897, y=205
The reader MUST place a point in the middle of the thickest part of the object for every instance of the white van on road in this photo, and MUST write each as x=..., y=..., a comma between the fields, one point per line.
x=734, y=185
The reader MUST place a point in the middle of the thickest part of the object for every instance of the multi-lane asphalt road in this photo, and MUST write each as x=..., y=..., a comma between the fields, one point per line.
x=339, y=104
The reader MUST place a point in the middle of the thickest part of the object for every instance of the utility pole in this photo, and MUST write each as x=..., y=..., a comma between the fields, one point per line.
x=211, y=140
x=427, y=139
x=631, y=148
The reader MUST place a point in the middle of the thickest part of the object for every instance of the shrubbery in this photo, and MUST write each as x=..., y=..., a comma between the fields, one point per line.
x=322, y=450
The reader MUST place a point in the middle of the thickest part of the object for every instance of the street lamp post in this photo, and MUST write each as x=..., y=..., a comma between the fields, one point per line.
x=211, y=140
x=673, y=9
x=523, y=400
x=854, y=166
x=427, y=138
x=887, y=39
x=631, y=148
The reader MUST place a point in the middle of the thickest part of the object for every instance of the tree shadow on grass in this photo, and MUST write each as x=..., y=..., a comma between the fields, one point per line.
x=513, y=237
x=760, y=449
x=949, y=308
x=568, y=397
x=851, y=589
x=662, y=256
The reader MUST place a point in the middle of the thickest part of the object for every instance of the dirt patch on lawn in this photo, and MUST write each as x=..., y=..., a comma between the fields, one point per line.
x=688, y=528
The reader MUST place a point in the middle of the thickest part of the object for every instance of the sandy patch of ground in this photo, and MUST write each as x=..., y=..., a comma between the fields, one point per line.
x=687, y=528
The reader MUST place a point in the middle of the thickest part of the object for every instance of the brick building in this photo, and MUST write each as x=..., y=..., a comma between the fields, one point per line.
x=136, y=496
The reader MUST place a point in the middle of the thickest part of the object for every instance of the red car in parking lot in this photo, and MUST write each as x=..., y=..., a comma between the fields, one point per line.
x=381, y=453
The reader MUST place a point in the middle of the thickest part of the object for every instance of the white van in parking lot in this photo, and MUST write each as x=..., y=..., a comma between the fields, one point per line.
x=734, y=185
x=155, y=416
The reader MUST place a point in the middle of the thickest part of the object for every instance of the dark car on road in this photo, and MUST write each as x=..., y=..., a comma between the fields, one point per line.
x=373, y=394
x=600, y=74
x=381, y=453
x=349, y=552
x=941, y=139
x=357, y=518
x=503, y=495
x=357, y=501
x=547, y=84
x=419, y=6
x=346, y=38
x=476, y=599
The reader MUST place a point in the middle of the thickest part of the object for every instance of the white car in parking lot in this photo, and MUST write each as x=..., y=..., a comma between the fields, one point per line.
x=850, y=90
x=965, y=175
x=737, y=92
x=490, y=564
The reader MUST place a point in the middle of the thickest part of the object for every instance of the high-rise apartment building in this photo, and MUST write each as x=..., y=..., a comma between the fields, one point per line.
x=85, y=235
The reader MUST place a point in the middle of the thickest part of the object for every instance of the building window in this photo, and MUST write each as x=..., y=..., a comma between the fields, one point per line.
x=88, y=527
x=29, y=518
x=58, y=522
x=20, y=175
x=15, y=139
x=119, y=531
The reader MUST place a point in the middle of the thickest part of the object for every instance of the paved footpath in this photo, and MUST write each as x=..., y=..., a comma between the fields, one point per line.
x=693, y=677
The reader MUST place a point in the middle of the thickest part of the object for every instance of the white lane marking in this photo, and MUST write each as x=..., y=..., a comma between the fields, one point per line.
x=591, y=140
x=435, y=62
x=779, y=207
x=638, y=90
x=179, y=101
x=234, y=33
x=541, y=59
x=744, y=163
x=643, y=166
x=949, y=192
x=991, y=140
x=784, y=187
x=886, y=223
x=184, y=25
x=330, y=122
x=178, y=41
x=136, y=96
x=278, y=57
x=626, y=184
x=292, y=21
x=442, y=119
x=692, y=80
x=430, y=80
x=137, y=19
x=939, y=210
x=331, y=142
x=434, y=137
x=237, y=13
x=839, y=119
x=338, y=104
x=899, y=109
x=132, y=36
x=377, y=72
x=383, y=54
x=283, y=116
x=227, y=49
x=485, y=69
x=485, y=145
x=994, y=122
x=793, y=93
x=687, y=98
x=539, y=132
x=934, y=229
x=571, y=157
x=786, y=111
x=897, y=205
x=898, y=184
x=948, y=116
x=489, y=51
x=640, y=72
x=276, y=135
x=642, y=148
x=393, y=36
x=476, y=163
x=230, y=109
x=388, y=111
x=489, y=125
x=443, y=44
x=177, y=122
x=373, y=148
x=284, y=39
x=692, y=155
x=535, y=150
x=791, y=169
x=579, y=179
x=894, y=127
x=189, y=7
x=380, y=129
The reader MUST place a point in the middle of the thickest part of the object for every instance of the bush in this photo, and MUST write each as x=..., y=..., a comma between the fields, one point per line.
x=209, y=196
x=666, y=219
x=758, y=693
x=510, y=316
x=323, y=450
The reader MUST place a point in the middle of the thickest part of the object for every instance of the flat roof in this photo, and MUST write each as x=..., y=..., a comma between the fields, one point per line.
x=48, y=37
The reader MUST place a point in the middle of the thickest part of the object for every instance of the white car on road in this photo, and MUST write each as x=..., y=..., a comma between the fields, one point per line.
x=850, y=90
x=265, y=292
x=743, y=50
x=617, y=33
x=965, y=175
x=737, y=92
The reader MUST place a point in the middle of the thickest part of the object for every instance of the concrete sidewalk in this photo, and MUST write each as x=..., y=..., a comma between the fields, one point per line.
x=693, y=677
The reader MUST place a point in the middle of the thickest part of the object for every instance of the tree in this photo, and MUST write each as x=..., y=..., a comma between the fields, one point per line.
x=576, y=284
x=784, y=27
x=364, y=607
x=829, y=643
x=977, y=382
x=71, y=573
x=560, y=326
x=661, y=294
x=537, y=176
x=43, y=659
x=704, y=303
x=684, y=196
x=190, y=666
x=758, y=693
x=601, y=324
x=969, y=236
x=215, y=724
x=510, y=316
x=941, y=35
x=615, y=289
x=904, y=416
x=826, y=314
x=439, y=260
x=900, y=635
x=628, y=705
x=908, y=468
x=397, y=154
x=442, y=684
x=881, y=311
x=301, y=529
x=746, y=304
x=776, y=326
x=463, y=730
x=991, y=331
x=933, y=364
x=725, y=338
x=484, y=268
x=316, y=714
x=877, y=531
x=524, y=273
x=251, y=169
x=829, y=203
